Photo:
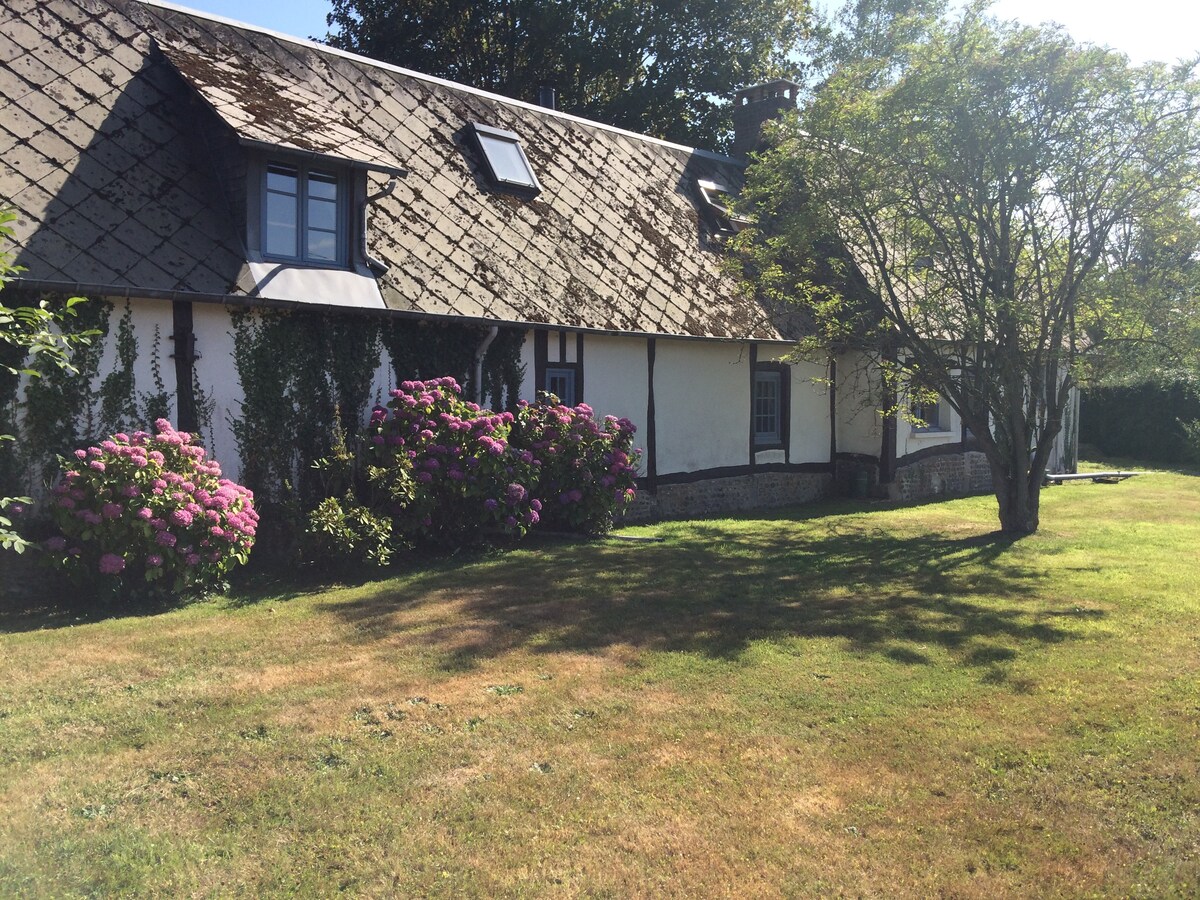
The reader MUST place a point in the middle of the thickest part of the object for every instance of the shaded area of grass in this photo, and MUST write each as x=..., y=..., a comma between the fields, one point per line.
x=879, y=591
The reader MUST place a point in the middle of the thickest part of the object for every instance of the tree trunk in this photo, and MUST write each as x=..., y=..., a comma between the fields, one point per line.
x=1019, y=493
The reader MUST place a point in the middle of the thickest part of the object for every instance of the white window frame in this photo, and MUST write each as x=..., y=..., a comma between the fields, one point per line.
x=484, y=134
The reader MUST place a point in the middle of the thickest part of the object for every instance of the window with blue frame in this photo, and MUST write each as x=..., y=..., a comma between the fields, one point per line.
x=304, y=216
x=561, y=383
x=769, y=407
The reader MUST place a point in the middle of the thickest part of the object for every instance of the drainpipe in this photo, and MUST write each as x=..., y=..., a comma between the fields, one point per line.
x=375, y=264
x=833, y=413
x=480, y=352
x=185, y=357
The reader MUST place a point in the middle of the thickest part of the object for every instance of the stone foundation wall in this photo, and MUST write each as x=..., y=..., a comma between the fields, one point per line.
x=948, y=475
x=954, y=474
x=717, y=496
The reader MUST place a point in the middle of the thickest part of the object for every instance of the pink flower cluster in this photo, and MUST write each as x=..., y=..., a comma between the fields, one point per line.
x=588, y=467
x=153, y=506
x=467, y=476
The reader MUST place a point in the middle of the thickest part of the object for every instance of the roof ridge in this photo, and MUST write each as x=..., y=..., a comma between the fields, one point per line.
x=433, y=79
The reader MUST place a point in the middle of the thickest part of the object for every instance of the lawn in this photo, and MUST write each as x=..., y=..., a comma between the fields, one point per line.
x=866, y=701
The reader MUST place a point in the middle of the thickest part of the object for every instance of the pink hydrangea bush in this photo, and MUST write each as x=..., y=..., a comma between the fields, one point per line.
x=148, y=512
x=588, y=468
x=466, y=478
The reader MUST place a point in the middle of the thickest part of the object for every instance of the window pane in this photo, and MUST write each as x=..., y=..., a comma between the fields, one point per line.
x=281, y=178
x=766, y=407
x=930, y=415
x=322, y=185
x=561, y=383
x=505, y=159
x=322, y=214
x=281, y=225
x=322, y=245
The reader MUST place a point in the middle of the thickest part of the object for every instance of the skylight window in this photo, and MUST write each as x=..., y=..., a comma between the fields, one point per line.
x=506, y=161
x=719, y=200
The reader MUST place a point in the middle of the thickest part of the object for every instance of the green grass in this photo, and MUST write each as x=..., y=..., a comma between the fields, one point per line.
x=881, y=701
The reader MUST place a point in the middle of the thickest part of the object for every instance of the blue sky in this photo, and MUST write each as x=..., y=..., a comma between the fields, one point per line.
x=1148, y=29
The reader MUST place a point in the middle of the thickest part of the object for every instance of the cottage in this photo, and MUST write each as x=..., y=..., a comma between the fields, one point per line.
x=195, y=174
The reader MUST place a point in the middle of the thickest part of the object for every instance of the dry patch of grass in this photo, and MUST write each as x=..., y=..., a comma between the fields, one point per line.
x=890, y=702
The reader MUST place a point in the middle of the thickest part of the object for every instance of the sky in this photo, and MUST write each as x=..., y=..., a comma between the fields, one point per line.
x=1165, y=30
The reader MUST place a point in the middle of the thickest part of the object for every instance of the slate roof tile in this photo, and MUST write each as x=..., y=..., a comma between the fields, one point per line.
x=614, y=241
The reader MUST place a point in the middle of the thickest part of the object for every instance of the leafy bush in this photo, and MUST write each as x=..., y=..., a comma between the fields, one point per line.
x=1141, y=421
x=587, y=468
x=345, y=531
x=442, y=471
x=353, y=524
x=1191, y=431
x=31, y=336
x=467, y=479
x=149, y=513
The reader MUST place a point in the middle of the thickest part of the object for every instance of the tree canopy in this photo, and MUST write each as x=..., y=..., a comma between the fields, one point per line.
x=971, y=212
x=660, y=67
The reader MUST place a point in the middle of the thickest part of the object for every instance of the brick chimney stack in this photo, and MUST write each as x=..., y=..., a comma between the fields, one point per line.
x=755, y=105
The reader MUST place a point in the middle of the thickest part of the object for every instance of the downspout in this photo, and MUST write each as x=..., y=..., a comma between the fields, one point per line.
x=480, y=352
x=833, y=412
x=375, y=264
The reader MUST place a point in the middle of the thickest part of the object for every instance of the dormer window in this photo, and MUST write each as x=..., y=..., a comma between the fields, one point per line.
x=506, y=160
x=304, y=214
x=718, y=201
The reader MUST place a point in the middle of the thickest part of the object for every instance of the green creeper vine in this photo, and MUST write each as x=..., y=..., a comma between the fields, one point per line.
x=11, y=357
x=61, y=409
x=422, y=350
x=297, y=367
x=118, y=400
x=157, y=404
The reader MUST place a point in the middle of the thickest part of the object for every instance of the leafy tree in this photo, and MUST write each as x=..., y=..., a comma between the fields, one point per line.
x=1145, y=321
x=954, y=218
x=30, y=339
x=875, y=33
x=662, y=67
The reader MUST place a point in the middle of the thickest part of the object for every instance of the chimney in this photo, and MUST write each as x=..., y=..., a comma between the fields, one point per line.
x=755, y=105
x=547, y=96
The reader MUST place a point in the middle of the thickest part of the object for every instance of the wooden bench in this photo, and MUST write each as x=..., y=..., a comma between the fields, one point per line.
x=1094, y=477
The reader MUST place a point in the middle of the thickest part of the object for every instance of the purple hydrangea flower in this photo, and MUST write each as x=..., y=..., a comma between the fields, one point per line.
x=111, y=564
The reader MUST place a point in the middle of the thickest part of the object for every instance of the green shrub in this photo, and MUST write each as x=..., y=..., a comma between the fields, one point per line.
x=344, y=531
x=1141, y=421
x=1191, y=432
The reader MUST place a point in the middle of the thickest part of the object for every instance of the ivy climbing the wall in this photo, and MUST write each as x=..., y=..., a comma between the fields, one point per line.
x=61, y=408
x=296, y=367
x=424, y=350
x=66, y=409
x=11, y=357
x=118, y=400
x=158, y=404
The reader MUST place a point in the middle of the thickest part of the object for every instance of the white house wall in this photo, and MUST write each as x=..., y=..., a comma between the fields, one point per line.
x=859, y=425
x=808, y=410
x=615, y=379
x=145, y=316
x=911, y=440
x=216, y=373
x=702, y=405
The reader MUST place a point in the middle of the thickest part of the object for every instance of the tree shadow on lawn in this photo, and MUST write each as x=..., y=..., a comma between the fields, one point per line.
x=882, y=594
